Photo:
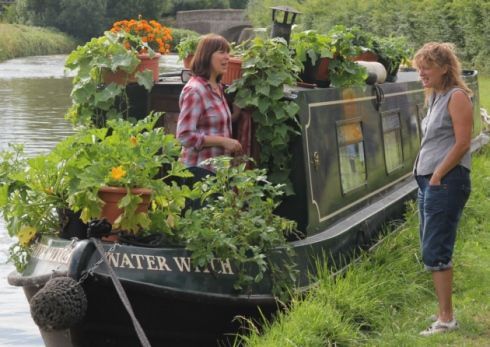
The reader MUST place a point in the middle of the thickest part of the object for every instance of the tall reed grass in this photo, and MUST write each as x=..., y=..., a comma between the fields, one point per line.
x=20, y=40
x=384, y=299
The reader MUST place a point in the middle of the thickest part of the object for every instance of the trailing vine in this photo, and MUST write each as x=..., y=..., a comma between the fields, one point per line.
x=267, y=66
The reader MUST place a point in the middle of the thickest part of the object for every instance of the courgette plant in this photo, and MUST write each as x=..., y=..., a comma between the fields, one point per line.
x=93, y=101
x=267, y=66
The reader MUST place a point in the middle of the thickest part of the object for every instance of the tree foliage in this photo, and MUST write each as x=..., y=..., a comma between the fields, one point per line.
x=84, y=19
x=462, y=22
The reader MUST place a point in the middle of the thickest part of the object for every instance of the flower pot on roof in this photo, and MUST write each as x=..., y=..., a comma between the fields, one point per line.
x=366, y=56
x=122, y=77
x=234, y=70
x=188, y=60
x=186, y=48
x=316, y=74
x=149, y=39
x=130, y=50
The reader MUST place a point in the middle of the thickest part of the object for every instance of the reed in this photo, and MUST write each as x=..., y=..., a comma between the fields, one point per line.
x=384, y=299
x=21, y=40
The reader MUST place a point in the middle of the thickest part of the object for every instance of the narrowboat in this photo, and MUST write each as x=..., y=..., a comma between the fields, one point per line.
x=352, y=173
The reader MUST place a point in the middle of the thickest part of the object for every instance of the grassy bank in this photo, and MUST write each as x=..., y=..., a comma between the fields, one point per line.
x=484, y=86
x=20, y=40
x=385, y=299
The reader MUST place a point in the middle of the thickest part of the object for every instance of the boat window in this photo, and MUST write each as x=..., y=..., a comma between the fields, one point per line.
x=421, y=112
x=351, y=155
x=392, y=140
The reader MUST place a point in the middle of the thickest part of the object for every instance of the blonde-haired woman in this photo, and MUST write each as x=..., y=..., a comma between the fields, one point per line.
x=442, y=169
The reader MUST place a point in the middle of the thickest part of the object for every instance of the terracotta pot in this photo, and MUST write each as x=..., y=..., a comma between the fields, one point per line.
x=187, y=61
x=234, y=70
x=318, y=73
x=111, y=197
x=123, y=78
x=366, y=56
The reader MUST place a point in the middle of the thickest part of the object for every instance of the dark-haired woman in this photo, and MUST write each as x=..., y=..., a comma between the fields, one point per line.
x=204, y=124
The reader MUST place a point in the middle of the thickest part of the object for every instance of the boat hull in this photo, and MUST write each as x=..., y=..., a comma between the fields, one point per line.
x=181, y=305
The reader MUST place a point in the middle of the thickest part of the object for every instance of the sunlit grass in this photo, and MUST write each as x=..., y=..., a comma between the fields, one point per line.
x=385, y=298
x=20, y=40
x=484, y=84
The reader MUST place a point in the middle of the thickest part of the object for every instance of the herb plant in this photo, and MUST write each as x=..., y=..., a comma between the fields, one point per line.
x=93, y=101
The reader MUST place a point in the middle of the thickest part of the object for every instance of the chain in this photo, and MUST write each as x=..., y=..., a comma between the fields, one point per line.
x=90, y=271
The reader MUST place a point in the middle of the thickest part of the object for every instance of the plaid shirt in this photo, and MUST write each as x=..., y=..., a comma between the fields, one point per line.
x=202, y=112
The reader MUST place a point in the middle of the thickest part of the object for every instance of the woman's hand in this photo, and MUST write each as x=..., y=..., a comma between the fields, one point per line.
x=232, y=145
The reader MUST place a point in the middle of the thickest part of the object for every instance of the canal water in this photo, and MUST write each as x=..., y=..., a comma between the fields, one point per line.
x=34, y=96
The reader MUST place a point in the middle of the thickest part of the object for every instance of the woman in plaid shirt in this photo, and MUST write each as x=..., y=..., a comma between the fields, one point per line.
x=204, y=124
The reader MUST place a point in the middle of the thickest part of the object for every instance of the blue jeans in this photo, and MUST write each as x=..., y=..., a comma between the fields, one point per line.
x=440, y=209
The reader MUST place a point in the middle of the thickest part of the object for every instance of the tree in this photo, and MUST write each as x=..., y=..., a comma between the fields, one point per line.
x=81, y=18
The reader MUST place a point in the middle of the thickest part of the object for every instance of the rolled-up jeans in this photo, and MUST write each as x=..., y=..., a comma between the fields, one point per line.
x=440, y=209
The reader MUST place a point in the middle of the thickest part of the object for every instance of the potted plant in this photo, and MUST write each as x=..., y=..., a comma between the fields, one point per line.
x=392, y=51
x=343, y=70
x=313, y=51
x=267, y=67
x=36, y=192
x=122, y=170
x=186, y=48
x=365, y=42
x=327, y=58
x=99, y=95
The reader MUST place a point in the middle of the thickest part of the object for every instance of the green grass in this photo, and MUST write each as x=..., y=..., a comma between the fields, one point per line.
x=20, y=41
x=484, y=86
x=386, y=297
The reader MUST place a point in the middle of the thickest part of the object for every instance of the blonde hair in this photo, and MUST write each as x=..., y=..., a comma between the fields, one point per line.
x=442, y=54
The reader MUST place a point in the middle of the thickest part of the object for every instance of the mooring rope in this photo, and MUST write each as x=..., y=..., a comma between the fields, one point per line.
x=122, y=295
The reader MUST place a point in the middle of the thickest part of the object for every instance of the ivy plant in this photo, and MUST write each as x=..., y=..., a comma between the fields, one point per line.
x=267, y=66
x=237, y=222
x=93, y=101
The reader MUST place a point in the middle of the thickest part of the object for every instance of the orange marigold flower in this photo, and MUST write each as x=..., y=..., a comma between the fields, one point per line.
x=117, y=173
x=134, y=140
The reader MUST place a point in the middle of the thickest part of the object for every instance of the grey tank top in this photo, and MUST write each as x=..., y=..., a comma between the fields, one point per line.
x=437, y=135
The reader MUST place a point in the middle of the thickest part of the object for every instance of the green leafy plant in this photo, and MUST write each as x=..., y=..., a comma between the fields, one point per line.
x=267, y=67
x=237, y=222
x=339, y=46
x=310, y=44
x=31, y=191
x=129, y=156
x=392, y=52
x=187, y=46
x=343, y=71
x=34, y=190
x=93, y=101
